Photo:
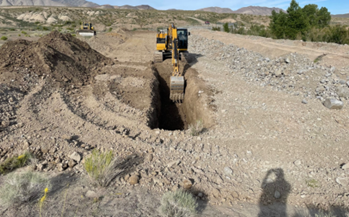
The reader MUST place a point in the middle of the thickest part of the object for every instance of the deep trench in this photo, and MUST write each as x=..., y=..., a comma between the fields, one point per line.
x=168, y=115
x=171, y=116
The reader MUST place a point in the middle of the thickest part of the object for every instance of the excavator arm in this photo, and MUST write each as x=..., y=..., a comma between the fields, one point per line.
x=177, y=81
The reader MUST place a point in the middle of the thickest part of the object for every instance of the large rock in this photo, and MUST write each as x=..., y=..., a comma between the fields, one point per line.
x=187, y=184
x=75, y=156
x=333, y=104
x=134, y=179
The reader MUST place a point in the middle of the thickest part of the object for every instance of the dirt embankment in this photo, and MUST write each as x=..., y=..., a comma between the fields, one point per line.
x=59, y=56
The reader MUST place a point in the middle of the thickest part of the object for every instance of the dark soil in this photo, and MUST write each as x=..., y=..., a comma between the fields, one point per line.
x=61, y=57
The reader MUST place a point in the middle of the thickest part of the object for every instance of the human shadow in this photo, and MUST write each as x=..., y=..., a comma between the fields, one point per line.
x=273, y=201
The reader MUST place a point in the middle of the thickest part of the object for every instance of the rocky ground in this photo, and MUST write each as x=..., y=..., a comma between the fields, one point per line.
x=269, y=146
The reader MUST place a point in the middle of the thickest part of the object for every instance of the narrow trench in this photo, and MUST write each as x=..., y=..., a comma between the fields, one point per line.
x=170, y=117
x=179, y=116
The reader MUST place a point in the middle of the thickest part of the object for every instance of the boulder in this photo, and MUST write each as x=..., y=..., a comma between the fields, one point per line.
x=332, y=103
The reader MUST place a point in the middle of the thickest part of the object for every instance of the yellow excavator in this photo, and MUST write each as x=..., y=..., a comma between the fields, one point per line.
x=86, y=29
x=171, y=44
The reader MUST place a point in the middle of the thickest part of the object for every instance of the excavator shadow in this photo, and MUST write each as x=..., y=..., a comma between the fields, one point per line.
x=191, y=59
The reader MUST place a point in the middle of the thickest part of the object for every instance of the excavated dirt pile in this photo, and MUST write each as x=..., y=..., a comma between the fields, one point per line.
x=59, y=56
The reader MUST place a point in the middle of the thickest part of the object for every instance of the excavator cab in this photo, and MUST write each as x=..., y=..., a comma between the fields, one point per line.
x=87, y=26
x=182, y=39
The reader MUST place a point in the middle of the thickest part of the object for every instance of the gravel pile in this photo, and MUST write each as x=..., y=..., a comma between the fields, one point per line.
x=293, y=73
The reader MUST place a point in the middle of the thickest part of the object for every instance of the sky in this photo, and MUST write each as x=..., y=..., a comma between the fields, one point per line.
x=334, y=6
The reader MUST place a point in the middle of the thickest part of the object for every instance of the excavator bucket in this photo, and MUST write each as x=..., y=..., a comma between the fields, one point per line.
x=177, y=88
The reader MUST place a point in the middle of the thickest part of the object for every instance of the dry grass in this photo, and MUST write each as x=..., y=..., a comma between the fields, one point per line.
x=15, y=162
x=178, y=204
x=197, y=128
x=22, y=187
x=100, y=167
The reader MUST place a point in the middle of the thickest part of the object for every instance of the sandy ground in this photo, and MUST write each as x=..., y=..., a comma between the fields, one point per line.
x=268, y=139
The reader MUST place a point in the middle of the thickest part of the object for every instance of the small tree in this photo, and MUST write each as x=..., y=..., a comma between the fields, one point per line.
x=226, y=27
x=278, y=24
x=296, y=22
x=323, y=17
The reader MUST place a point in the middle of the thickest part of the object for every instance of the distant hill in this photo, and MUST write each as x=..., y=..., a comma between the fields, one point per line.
x=75, y=3
x=139, y=7
x=341, y=15
x=30, y=3
x=217, y=10
x=255, y=10
x=107, y=6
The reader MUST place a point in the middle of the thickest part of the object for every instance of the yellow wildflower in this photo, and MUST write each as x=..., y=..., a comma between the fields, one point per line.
x=21, y=156
x=42, y=200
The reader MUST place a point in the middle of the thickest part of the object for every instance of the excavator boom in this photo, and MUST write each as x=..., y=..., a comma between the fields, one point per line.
x=177, y=81
x=169, y=45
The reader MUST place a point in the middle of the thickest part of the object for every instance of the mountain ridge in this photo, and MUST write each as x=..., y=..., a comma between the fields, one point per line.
x=255, y=10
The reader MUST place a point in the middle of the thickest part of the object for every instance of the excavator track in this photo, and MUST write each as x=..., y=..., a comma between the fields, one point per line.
x=158, y=57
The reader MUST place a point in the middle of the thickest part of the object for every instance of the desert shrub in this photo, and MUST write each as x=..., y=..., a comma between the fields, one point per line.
x=196, y=129
x=226, y=27
x=22, y=187
x=216, y=28
x=178, y=204
x=15, y=162
x=45, y=28
x=98, y=167
x=110, y=29
x=4, y=38
x=24, y=32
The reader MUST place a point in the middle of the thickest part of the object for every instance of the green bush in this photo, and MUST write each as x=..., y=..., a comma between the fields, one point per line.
x=4, y=38
x=24, y=33
x=98, y=167
x=216, y=28
x=298, y=20
x=15, y=162
x=178, y=204
x=22, y=187
x=226, y=27
x=196, y=129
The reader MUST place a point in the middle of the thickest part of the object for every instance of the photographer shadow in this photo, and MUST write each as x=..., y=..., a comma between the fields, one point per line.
x=273, y=201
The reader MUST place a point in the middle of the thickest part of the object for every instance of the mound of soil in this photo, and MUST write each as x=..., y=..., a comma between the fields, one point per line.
x=62, y=57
